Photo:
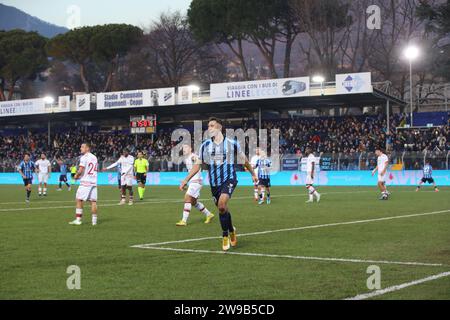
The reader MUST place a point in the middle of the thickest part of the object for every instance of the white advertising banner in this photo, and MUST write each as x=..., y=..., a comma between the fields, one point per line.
x=63, y=104
x=83, y=102
x=260, y=89
x=185, y=95
x=354, y=83
x=136, y=98
x=22, y=107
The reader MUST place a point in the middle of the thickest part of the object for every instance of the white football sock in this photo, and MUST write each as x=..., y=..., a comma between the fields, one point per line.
x=94, y=218
x=186, y=211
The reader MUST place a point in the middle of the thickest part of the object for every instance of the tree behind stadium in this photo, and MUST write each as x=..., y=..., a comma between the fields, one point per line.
x=22, y=57
x=96, y=50
x=263, y=23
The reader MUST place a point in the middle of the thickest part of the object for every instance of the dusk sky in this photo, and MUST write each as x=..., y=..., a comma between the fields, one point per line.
x=92, y=12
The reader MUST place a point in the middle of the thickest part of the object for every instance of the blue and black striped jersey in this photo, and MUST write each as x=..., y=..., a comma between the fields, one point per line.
x=221, y=160
x=27, y=168
x=427, y=171
x=264, y=168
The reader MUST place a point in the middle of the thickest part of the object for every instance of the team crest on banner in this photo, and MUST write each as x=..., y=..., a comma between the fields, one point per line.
x=354, y=83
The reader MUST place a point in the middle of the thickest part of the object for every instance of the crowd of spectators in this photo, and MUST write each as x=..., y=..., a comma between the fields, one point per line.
x=346, y=136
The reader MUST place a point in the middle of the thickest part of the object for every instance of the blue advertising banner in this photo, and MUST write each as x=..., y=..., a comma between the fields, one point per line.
x=290, y=165
x=283, y=178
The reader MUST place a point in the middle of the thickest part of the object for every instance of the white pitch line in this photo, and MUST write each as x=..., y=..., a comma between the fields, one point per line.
x=398, y=287
x=159, y=201
x=208, y=199
x=300, y=228
x=294, y=257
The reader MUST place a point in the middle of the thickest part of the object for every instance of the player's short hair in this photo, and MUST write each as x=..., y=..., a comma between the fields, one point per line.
x=216, y=120
x=87, y=144
x=379, y=148
x=26, y=154
x=125, y=150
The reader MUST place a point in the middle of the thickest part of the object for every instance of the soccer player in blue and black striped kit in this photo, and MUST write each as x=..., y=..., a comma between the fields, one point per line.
x=263, y=164
x=26, y=170
x=427, y=177
x=220, y=155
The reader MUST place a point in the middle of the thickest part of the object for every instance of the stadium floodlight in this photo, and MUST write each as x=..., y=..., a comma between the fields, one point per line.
x=411, y=53
x=194, y=88
x=318, y=79
x=49, y=100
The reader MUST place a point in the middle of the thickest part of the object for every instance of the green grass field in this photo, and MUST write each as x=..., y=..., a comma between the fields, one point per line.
x=37, y=245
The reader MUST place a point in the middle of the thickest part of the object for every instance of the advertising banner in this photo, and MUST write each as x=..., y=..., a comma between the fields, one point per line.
x=62, y=106
x=290, y=165
x=354, y=83
x=22, y=107
x=83, y=102
x=185, y=95
x=136, y=99
x=261, y=89
x=283, y=178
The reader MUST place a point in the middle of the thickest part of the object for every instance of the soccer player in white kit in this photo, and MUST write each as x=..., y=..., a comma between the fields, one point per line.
x=382, y=166
x=126, y=162
x=193, y=192
x=43, y=169
x=87, y=191
x=310, y=171
x=253, y=162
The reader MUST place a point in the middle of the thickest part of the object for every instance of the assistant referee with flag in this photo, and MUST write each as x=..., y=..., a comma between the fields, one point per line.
x=141, y=169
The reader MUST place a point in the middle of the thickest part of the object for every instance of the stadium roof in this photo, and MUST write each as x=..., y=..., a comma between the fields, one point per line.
x=203, y=108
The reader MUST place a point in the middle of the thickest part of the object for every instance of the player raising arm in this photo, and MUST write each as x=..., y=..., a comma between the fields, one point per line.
x=126, y=162
x=87, y=191
x=382, y=166
x=218, y=155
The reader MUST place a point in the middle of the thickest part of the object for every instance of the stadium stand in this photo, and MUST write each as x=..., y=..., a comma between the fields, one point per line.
x=340, y=137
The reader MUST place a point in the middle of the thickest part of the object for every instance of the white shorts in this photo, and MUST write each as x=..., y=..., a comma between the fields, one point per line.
x=42, y=177
x=126, y=180
x=309, y=179
x=381, y=178
x=194, y=190
x=87, y=193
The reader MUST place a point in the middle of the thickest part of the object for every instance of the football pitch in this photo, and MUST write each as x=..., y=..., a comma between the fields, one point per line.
x=286, y=250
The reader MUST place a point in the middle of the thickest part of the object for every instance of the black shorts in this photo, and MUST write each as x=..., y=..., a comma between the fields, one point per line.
x=141, y=178
x=72, y=175
x=264, y=182
x=27, y=181
x=226, y=188
x=429, y=180
x=63, y=178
